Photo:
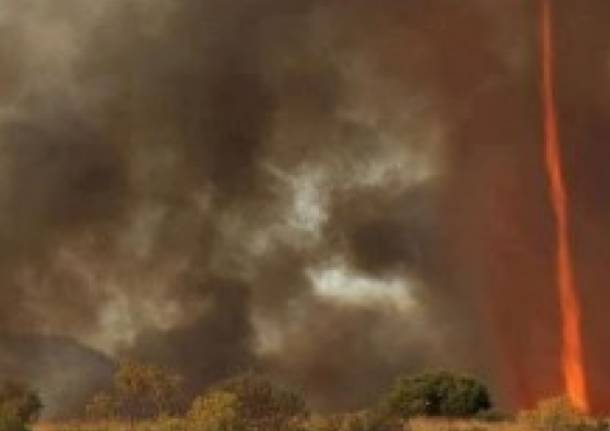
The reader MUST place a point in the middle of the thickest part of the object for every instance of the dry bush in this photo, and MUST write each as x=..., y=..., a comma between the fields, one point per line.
x=103, y=406
x=265, y=406
x=19, y=401
x=146, y=390
x=555, y=414
x=449, y=424
x=359, y=421
x=216, y=411
x=140, y=391
x=11, y=423
x=165, y=423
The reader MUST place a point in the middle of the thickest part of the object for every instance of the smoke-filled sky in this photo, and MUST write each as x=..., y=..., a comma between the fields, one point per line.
x=331, y=192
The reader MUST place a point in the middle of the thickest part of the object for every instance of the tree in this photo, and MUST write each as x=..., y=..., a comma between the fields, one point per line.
x=139, y=391
x=216, y=411
x=145, y=390
x=263, y=405
x=19, y=401
x=438, y=394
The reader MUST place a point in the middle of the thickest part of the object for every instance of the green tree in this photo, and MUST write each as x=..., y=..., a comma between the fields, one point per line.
x=19, y=401
x=438, y=394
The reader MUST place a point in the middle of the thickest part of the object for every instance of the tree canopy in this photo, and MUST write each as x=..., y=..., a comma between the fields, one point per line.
x=438, y=394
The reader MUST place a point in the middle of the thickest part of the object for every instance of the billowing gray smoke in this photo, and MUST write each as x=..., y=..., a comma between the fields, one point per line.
x=226, y=185
x=303, y=187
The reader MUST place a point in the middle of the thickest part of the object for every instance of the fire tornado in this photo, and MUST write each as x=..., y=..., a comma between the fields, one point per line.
x=572, y=349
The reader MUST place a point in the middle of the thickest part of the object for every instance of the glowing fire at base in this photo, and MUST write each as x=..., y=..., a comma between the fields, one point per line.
x=572, y=349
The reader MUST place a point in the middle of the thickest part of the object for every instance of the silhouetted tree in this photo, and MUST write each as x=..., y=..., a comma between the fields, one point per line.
x=19, y=401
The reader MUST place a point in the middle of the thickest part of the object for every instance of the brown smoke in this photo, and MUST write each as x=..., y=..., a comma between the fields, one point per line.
x=331, y=192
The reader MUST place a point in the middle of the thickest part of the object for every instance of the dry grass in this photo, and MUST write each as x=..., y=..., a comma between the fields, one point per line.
x=418, y=424
x=78, y=425
x=550, y=415
x=441, y=424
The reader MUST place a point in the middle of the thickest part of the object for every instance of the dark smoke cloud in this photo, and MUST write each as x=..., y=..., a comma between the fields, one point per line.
x=331, y=193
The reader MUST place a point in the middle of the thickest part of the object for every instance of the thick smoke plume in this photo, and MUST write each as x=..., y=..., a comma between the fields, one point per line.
x=332, y=192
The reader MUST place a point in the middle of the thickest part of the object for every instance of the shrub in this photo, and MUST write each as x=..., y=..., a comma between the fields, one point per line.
x=170, y=424
x=438, y=394
x=19, y=401
x=257, y=403
x=216, y=411
x=11, y=423
x=359, y=421
x=557, y=414
x=140, y=391
x=102, y=406
x=261, y=398
x=494, y=415
x=322, y=423
x=146, y=390
x=372, y=421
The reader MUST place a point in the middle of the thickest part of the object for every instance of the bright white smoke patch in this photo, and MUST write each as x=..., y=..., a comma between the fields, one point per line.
x=340, y=284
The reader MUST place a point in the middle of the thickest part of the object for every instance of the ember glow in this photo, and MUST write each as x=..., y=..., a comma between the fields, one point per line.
x=572, y=349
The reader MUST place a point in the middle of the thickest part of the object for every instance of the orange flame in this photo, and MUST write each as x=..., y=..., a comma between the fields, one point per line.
x=572, y=349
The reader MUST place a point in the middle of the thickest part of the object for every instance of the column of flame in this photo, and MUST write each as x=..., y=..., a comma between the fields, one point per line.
x=572, y=349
